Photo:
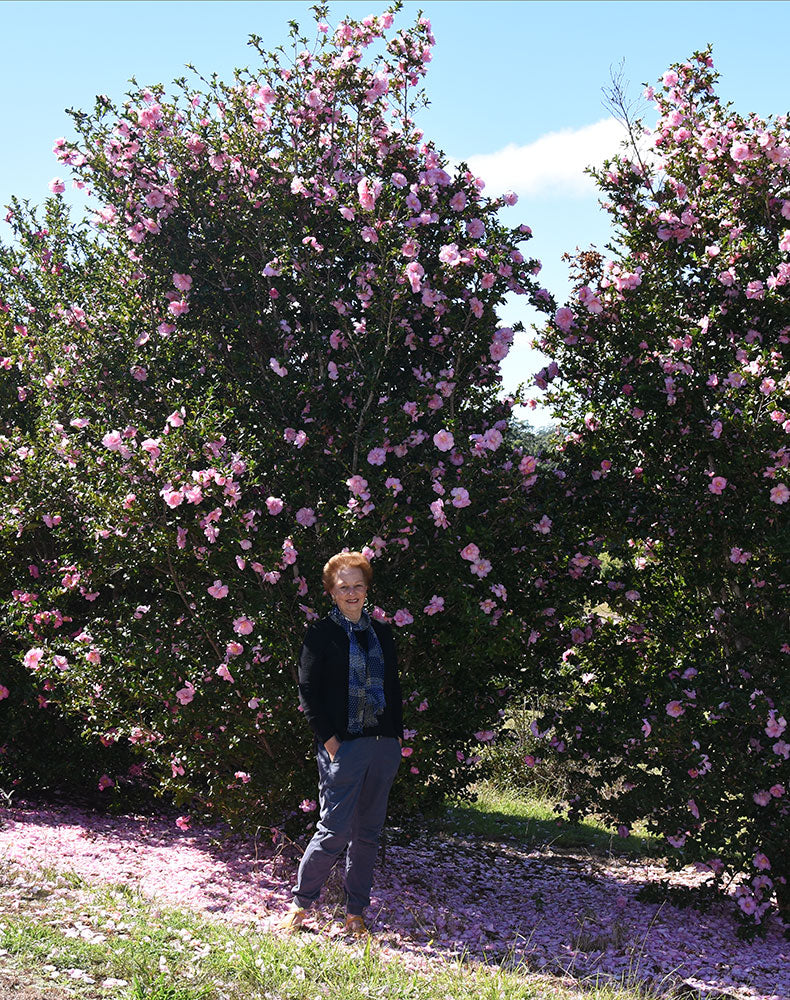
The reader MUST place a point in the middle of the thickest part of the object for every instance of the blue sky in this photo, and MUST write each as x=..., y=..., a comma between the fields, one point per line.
x=515, y=87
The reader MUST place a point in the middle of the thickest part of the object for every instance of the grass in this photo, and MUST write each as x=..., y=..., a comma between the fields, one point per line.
x=498, y=815
x=61, y=936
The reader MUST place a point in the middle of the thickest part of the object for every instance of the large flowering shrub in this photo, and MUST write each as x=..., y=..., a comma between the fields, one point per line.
x=276, y=337
x=670, y=374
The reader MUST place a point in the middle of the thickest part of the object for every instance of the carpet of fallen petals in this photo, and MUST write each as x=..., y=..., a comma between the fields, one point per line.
x=434, y=899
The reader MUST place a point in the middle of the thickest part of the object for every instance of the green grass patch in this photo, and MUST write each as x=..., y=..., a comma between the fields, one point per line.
x=498, y=814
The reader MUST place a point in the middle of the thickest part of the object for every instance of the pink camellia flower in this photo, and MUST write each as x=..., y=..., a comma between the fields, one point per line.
x=234, y=648
x=173, y=498
x=277, y=368
x=458, y=201
x=717, y=485
x=527, y=465
x=543, y=526
x=112, y=440
x=481, y=568
x=775, y=727
x=414, y=273
x=175, y=419
x=4, y=692
x=738, y=555
x=33, y=658
x=406, y=751
x=186, y=693
x=675, y=709
x=368, y=192
x=307, y=805
x=780, y=494
x=357, y=485
x=152, y=446
x=218, y=590
x=475, y=229
x=563, y=317
x=434, y=606
x=183, y=822
x=183, y=282
x=485, y=735
x=499, y=350
x=460, y=497
x=56, y=186
x=393, y=484
x=591, y=422
x=777, y=791
x=242, y=625
x=449, y=254
x=439, y=517
x=179, y=307
x=105, y=781
x=762, y=798
x=242, y=776
x=470, y=552
x=274, y=505
x=402, y=618
x=225, y=674
x=739, y=151
x=492, y=439
x=443, y=440
x=306, y=517
x=377, y=456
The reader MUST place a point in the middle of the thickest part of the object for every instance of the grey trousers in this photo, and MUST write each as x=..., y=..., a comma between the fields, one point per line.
x=353, y=792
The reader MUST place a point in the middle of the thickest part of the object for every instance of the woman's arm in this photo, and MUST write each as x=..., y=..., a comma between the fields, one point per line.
x=312, y=685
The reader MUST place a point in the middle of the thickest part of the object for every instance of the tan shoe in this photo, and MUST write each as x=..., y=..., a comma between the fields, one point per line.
x=355, y=925
x=292, y=920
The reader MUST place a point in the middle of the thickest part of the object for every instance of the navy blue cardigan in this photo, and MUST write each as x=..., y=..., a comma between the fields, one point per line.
x=323, y=681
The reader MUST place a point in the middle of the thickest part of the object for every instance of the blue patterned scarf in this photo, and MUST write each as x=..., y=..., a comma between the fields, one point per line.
x=365, y=673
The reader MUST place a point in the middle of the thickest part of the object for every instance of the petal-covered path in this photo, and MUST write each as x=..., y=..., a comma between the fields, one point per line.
x=433, y=899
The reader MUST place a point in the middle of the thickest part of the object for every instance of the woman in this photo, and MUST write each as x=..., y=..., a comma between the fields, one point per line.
x=350, y=693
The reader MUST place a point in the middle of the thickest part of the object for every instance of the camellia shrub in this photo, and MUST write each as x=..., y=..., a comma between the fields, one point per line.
x=670, y=375
x=275, y=337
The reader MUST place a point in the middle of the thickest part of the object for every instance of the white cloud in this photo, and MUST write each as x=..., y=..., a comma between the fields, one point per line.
x=553, y=165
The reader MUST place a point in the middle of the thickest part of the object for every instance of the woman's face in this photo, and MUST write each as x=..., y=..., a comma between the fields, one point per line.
x=349, y=590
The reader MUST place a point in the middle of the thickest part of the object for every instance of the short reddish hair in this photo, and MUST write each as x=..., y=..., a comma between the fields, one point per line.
x=345, y=560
